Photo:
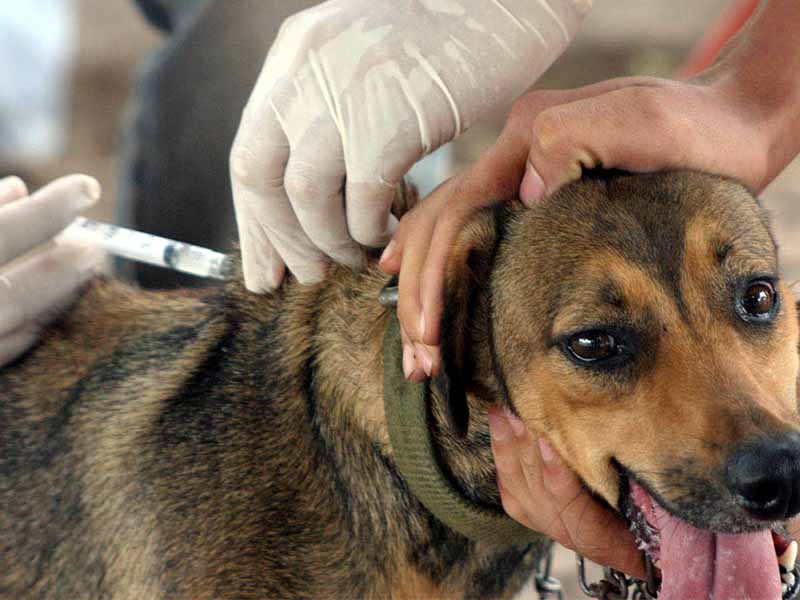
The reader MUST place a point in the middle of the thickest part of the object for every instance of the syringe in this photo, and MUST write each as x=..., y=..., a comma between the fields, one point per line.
x=150, y=249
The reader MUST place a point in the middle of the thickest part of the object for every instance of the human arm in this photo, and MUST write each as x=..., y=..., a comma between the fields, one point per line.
x=33, y=288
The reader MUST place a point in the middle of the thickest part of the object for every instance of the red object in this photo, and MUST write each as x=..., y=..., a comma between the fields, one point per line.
x=728, y=25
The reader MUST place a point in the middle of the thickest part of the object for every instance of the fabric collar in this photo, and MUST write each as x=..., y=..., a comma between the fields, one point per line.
x=406, y=406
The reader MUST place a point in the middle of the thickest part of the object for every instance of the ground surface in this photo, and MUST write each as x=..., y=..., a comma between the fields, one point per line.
x=619, y=38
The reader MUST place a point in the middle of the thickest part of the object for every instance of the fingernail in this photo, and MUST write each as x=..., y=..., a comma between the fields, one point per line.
x=546, y=450
x=388, y=251
x=425, y=358
x=499, y=428
x=531, y=190
x=418, y=376
x=409, y=364
x=517, y=426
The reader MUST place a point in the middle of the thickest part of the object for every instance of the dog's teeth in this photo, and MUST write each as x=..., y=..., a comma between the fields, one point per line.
x=789, y=557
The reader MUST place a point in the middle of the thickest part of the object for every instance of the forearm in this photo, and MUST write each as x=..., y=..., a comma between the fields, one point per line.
x=760, y=68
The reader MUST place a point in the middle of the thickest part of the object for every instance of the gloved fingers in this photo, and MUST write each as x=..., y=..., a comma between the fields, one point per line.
x=262, y=266
x=12, y=189
x=269, y=232
x=314, y=182
x=33, y=290
x=25, y=225
x=369, y=218
x=378, y=159
x=16, y=343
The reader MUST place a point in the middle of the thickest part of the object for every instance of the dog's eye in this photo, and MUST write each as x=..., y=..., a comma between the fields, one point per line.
x=758, y=301
x=593, y=346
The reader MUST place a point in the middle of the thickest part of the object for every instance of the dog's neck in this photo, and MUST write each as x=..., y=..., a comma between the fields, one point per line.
x=346, y=330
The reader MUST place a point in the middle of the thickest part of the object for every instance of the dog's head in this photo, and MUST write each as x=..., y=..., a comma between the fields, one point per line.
x=639, y=322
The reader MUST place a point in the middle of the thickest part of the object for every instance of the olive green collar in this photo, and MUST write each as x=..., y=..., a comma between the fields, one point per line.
x=406, y=407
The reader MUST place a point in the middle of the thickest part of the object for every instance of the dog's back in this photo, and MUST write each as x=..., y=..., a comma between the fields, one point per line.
x=160, y=446
x=77, y=427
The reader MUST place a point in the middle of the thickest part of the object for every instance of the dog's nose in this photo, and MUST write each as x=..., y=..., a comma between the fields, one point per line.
x=764, y=476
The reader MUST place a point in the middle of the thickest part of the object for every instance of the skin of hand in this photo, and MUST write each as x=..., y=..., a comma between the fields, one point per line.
x=33, y=287
x=365, y=89
x=564, y=510
x=739, y=118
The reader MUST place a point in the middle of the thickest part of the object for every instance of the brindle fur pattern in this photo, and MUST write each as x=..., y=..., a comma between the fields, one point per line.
x=226, y=445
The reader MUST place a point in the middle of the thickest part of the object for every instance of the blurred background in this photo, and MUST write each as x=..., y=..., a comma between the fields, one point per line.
x=83, y=79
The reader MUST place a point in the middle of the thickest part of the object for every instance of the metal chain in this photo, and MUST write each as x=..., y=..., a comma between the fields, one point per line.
x=547, y=586
x=616, y=585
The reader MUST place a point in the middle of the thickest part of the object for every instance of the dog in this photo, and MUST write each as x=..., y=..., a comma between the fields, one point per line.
x=220, y=444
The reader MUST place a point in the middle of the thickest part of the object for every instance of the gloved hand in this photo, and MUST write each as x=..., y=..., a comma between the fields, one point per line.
x=352, y=94
x=33, y=288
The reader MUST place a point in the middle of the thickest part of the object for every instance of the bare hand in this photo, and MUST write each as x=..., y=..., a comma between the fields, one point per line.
x=540, y=491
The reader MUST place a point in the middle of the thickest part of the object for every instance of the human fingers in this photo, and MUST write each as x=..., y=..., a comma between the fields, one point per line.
x=270, y=234
x=485, y=184
x=314, y=187
x=593, y=530
x=426, y=359
x=12, y=189
x=643, y=128
x=25, y=225
x=392, y=92
x=15, y=344
x=540, y=491
x=36, y=288
x=411, y=369
x=494, y=177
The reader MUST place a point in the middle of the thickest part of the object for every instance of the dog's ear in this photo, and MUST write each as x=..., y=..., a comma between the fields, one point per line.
x=466, y=314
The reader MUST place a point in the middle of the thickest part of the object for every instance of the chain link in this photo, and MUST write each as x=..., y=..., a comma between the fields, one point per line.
x=616, y=585
x=547, y=586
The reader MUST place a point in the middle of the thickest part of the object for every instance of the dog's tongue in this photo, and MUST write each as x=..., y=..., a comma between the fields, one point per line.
x=701, y=565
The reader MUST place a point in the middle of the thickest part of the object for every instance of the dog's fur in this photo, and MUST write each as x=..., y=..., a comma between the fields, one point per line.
x=168, y=445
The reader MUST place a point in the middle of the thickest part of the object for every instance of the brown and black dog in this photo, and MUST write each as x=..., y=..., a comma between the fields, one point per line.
x=228, y=445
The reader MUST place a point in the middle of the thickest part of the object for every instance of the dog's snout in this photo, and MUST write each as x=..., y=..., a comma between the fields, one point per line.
x=764, y=476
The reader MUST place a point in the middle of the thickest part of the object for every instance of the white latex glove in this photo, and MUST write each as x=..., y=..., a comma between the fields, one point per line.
x=352, y=94
x=34, y=288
